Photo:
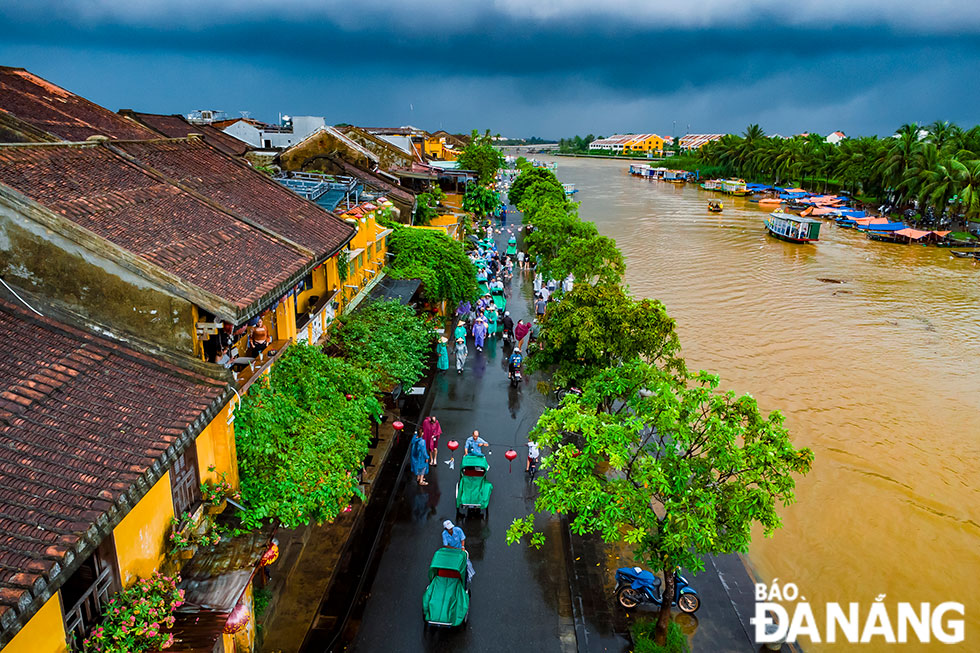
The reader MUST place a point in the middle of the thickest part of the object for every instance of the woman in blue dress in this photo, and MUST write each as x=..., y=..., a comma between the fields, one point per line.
x=443, y=353
x=420, y=459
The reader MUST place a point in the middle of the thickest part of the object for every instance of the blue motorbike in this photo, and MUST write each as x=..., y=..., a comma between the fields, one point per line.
x=635, y=586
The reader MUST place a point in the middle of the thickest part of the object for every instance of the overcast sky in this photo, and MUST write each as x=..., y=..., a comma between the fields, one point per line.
x=548, y=68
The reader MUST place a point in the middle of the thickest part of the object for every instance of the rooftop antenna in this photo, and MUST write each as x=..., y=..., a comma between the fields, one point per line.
x=245, y=114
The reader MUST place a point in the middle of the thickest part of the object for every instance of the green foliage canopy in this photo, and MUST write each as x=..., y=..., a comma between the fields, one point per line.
x=426, y=205
x=665, y=463
x=593, y=327
x=480, y=200
x=528, y=177
x=301, y=441
x=441, y=263
x=482, y=157
x=388, y=339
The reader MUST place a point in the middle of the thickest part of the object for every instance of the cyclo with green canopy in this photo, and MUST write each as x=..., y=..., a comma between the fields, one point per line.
x=446, y=601
x=473, y=490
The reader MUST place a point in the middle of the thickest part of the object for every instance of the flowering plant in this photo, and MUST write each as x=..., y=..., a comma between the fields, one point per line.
x=216, y=492
x=135, y=619
x=181, y=533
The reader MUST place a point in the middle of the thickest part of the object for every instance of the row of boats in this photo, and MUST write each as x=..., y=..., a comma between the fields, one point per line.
x=801, y=226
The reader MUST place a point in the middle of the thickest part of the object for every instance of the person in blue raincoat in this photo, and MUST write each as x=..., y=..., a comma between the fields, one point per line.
x=479, y=332
x=420, y=459
x=443, y=353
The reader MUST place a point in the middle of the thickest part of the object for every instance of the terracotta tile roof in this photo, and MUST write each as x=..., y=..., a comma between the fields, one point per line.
x=59, y=112
x=243, y=190
x=83, y=422
x=176, y=126
x=117, y=200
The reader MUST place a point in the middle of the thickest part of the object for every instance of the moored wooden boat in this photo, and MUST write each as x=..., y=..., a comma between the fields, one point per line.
x=964, y=254
x=735, y=187
x=793, y=228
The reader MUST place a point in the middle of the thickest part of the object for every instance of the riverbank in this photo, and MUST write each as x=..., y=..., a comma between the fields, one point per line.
x=828, y=355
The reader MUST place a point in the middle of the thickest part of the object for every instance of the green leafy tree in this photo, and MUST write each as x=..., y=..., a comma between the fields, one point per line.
x=667, y=465
x=388, y=339
x=563, y=244
x=480, y=200
x=301, y=441
x=441, y=263
x=522, y=164
x=595, y=326
x=427, y=205
x=481, y=156
x=528, y=177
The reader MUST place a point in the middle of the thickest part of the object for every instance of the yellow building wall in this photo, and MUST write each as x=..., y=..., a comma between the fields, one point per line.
x=140, y=536
x=216, y=446
x=44, y=633
x=286, y=319
x=319, y=288
x=454, y=201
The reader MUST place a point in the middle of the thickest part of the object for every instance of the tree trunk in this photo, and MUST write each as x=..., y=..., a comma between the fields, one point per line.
x=663, y=619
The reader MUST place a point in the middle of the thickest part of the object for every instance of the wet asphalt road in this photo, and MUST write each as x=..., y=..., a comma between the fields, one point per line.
x=517, y=594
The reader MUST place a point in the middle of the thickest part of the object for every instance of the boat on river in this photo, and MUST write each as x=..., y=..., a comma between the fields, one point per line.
x=964, y=254
x=734, y=187
x=711, y=184
x=715, y=206
x=793, y=228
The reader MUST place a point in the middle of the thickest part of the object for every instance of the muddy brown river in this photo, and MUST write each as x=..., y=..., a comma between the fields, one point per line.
x=872, y=351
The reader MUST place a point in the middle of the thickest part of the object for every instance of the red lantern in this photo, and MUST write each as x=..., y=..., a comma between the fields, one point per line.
x=453, y=445
x=237, y=620
x=271, y=555
x=349, y=396
x=398, y=426
x=510, y=456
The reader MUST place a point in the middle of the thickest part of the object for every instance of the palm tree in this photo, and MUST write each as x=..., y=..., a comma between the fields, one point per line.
x=895, y=160
x=967, y=175
x=943, y=134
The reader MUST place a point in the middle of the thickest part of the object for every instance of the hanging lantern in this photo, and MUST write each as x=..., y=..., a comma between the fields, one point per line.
x=237, y=620
x=510, y=456
x=453, y=445
x=271, y=555
x=348, y=396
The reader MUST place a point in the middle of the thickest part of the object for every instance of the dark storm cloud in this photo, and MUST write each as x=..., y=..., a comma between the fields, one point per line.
x=551, y=68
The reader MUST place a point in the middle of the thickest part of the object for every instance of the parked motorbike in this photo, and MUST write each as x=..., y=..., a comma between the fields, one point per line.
x=635, y=586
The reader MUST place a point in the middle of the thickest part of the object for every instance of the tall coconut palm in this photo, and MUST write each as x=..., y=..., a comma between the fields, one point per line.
x=895, y=160
x=943, y=134
x=967, y=174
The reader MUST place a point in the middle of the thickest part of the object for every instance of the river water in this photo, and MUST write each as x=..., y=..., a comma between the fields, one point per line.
x=879, y=375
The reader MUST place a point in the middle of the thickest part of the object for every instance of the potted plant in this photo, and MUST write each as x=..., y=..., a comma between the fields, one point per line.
x=215, y=493
x=182, y=540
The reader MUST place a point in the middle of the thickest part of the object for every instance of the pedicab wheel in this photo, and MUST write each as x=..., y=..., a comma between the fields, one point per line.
x=628, y=597
x=688, y=603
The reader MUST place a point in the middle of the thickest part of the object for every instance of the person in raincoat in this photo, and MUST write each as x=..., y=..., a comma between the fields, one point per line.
x=420, y=459
x=461, y=352
x=521, y=329
x=491, y=315
x=479, y=332
x=460, y=331
x=431, y=430
x=443, y=353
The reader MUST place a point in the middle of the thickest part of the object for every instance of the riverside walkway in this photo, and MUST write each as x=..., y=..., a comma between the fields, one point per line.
x=556, y=599
x=519, y=596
